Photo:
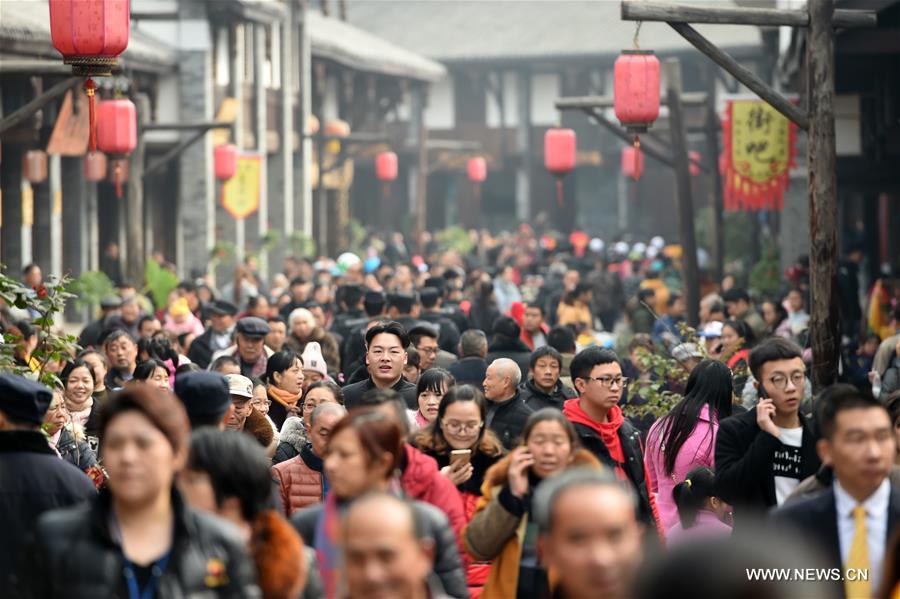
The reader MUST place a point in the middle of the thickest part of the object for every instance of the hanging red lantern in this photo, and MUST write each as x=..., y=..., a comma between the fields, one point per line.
x=117, y=126
x=34, y=166
x=477, y=169
x=632, y=162
x=636, y=89
x=95, y=167
x=386, y=166
x=90, y=34
x=559, y=156
x=225, y=161
x=694, y=159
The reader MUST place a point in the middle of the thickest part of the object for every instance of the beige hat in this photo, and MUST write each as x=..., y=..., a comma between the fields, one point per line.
x=239, y=385
x=313, y=359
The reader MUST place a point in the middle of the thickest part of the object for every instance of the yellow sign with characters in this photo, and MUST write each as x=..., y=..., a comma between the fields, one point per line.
x=240, y=194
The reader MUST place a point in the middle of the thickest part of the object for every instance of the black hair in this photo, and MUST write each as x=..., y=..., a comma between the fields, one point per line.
x=217, y=364
x=298, y=280
x=570, y=297
x=710, y=384
x=430, y=297
x=144, y=370
x=279, y=362
x=145, y=318
x=186, y=286
x=892, y=403
x=277, y=318
x=562, y=339
x=691, y=494
x=116, y=334
x=433, y=434
x=373, y=304
x=551, y=415
x=376, y=397
x=159, y=348
x=28, y=268
x=186, y=367
x=91, y=351
x=70, y=366
x=736, y=294
x=27, y=329
x=827, y=411
x=644, y=294
x=436, y=380
x=672, y=299
x=543, y=352
x=412, y=357
x=237, y=467
x=253, y=300
x=770, y=350
x=743, y=330
x=390, y=327
x=780, y=311
x=423, y=330
x=536, y=306
x=333, y=387
x=585, y=361
x=350, y=295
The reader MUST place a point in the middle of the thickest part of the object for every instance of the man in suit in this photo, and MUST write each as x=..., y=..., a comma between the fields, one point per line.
x=763, y=454
x=853, y=519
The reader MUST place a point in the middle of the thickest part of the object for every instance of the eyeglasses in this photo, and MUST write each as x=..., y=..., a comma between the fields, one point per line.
x=607, y=381
x=427, y=350
x=459, y=428
x=780, y=381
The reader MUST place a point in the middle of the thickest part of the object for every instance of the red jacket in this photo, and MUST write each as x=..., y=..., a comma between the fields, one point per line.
x=422, y=480
x=300, y=485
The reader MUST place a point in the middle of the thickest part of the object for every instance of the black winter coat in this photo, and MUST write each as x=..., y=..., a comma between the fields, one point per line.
x=33, y=480
x=536, y=399
x=78, y=548
x=507, y=420
x=435, y=526
x=354, y=393
x=75, y=451
x=469, y=371
x=501, y=346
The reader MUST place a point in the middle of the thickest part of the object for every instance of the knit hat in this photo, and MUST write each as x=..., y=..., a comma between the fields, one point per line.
x=313, y=360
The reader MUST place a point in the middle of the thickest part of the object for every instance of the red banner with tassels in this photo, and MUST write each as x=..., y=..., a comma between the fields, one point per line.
x=759, y=151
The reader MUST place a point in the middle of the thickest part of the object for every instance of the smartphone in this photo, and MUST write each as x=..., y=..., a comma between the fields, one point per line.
x=460, y=455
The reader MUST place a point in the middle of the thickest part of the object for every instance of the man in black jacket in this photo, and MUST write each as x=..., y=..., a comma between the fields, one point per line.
x=217, y=336
x=763, y=454
x=33, y=478
x=448, y=332
x=471, y=367
x=386, y=356
x=506, y=412
x=543, y=389
x=859, y=444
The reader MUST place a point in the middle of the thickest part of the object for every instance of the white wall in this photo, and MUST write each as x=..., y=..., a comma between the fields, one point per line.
x=846, y=125
x=439, y=113
x=545, y=90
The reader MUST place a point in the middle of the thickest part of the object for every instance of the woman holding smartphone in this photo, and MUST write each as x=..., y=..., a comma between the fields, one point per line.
x=502, y=528
x=464, y=450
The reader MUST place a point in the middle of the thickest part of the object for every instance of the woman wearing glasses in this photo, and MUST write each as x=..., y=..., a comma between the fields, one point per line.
x=464, y=450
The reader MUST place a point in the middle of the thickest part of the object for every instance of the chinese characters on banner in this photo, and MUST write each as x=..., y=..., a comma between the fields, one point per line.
x=758, y=155
x=240, y=194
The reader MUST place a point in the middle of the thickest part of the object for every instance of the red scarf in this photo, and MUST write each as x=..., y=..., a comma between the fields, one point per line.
x=608, y=430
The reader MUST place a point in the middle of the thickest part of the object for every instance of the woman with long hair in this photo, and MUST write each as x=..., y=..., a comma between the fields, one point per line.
x=431, y=387
x=364, y=456
x=284, y=376
x=502, y=528
x=138, y=538
x=464, y=450
x=776, y=318
x=686, y=437
x=78, y=387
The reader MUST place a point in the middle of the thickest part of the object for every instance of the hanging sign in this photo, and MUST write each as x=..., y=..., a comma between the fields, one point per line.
x=240, y=194
x=758, y=155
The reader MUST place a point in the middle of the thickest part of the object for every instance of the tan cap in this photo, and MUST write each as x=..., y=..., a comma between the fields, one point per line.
x=240, y=385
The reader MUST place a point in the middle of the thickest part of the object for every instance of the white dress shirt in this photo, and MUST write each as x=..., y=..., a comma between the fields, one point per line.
x=876, y=525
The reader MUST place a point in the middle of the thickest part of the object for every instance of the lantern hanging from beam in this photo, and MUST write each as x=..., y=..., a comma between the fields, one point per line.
x=225, y=161
x=95, y=167
x=560, y=147
x=90, y=35
x=476, y=169
x=386, y=166
x=117, y=133
x=694, y=158
x=632, y=162
x=34, y=166
x=636, y=89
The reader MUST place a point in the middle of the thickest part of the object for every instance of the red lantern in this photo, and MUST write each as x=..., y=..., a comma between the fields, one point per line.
x=477, y=169
x=386, y=166
x=116, y=126
x=225, y=161
x=559, y=156
x=694, y=158
x=636, y=89
x=34, y=166
x=95, y=167
x=632, y=162
x=90, y=34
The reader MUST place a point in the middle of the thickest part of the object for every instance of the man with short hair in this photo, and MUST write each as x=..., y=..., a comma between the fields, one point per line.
x=353, y=349
x=217, y=336
x=33, y=478
x=121, y=351
x=853, y=520
x=665, y=330
x=534, y=329
x=91, y=334
x=737, y=301
x=543, y=389
x=148, y=326
x=763, y=454
x=562, y=339
x=471, y=367
x=277, y=333
x=506, y=412
x=425, y=339
x=128, y=317
x=404, y=308
x=249, y=346
x=601, y=426
x=386, y=345
x=300, y=479
x=589, y=534
x=448, y=333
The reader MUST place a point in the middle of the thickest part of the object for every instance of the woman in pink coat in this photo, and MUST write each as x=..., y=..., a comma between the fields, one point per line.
x=686, y=438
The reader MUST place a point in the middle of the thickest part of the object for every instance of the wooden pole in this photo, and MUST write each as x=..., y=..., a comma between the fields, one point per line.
x=134, y=199
x=718, y=201
x=690, y=271
x=823, y=257
x=761, y=17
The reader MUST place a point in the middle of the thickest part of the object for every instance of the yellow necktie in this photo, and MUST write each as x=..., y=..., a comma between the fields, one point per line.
x=858, y=558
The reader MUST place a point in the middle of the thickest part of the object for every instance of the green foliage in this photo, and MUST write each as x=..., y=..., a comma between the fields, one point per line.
x=159, y=282
x=765, y=276
x=455, y=238
x=90, y=287
x=47, y=301
x=301, y=244
x=357, y=237
x=223, y=253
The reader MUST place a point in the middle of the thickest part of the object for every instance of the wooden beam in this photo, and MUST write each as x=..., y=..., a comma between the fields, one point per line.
x=688, y=99
x=718, y=202
x=173, y=153
x=776, y=100
x=761, y=17
x=24, y=112
x=134, y=228
x=689, y=268
x=187, y=126
x=824, y=323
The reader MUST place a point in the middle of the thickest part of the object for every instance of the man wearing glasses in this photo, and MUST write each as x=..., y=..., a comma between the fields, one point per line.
x=603, y=429
x=763, y=454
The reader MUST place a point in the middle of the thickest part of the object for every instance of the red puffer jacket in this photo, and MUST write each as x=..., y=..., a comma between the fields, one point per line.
x=421, y=480
x=300, y=481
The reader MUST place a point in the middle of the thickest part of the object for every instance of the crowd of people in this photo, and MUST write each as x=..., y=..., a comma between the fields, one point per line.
x=450, y=424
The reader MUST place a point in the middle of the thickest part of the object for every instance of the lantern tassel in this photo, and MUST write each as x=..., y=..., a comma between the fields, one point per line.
x=637, y=157
x=89, y=88
x=117, y=177
x=477, y=189
x=559, y=192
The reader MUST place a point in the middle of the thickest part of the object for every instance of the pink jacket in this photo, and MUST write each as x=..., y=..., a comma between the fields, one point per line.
x=697, y=450
x=705, y=526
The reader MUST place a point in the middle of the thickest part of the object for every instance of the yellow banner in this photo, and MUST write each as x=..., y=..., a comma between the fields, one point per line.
x=240, y=194
x=760, y=141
